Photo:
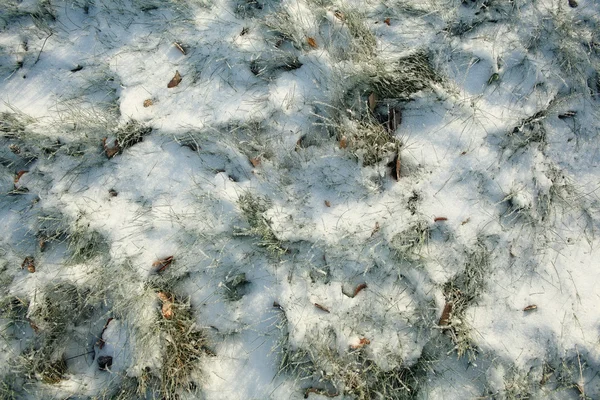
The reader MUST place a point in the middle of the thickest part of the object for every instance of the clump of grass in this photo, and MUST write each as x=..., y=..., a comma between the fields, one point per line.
x=13, y=124
x=85, y=244
x=267, y=66
x=253, y=209
x=369, y=142
x=409, y=243
x=462, y=291
x=13, y=310
x=527, y=131
x=52, y=226
x=131, y=133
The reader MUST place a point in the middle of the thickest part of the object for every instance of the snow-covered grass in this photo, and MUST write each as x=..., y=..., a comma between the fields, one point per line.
x=258, y=199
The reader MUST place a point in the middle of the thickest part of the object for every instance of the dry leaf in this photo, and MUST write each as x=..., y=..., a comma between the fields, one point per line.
x=361, y=343
x=42, y=243
x=312, y=42
x=466, y=221
x=175, y=81
x=359, y=288
x=100, y=343
x=438, y=219
x=148, y=103
x=396, y=166
x=255, y=161
x=573, y=3
x=327, y=203
x=394, y=119
x=162, y=264
x=167, y=304
x=19, y=175
x=387, y=21
x=180, y=48
x=343, y=142
x=110, y=151
x=530, y=307
x=28, y=263
x=445, y=318
x=339, y=15
x=322, y=308
x=113, y=193
x=372, y=101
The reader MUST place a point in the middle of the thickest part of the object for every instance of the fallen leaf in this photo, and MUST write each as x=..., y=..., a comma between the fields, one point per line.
x=394, y=119
x=28, y=263
x=359, y=288
x=100, y=343
x=148, y=103
x=162, y=264
x=395, y=166
x=361, y=343
x=175, y=81
x=322, y=308
x=111, y=151
x=327, y=203
x=372, y=101
x=113, y=193
x=343, y=142
x=387, y=21
x=445, y=318
x=466, y=221
x=312, y=42
x=19, y=175
x=530, y=307
x=105, y=362
x=568, y=114
x=77, y=68
x=339, y=15
x=167, y=304
x=573, y=3
x=439, y=219
x=255, y=161
x=180, y=48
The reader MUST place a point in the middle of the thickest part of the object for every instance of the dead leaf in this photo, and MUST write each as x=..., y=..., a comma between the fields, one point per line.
x=372, y=101
x=439, y=219
x=339, y=15
x=113, y=193
x=396, y=166
x=255, y=161
x=530, y=307
x=110, y=151
x=312, y=42
x=359, y=288
x=167, y=304
x=387, y=21
x=19, y=175
x=148, y=103
x=162, y=264
x=361, y=343
x=322, y=308
x=100, y=343
x=573, y=3
x=28, y=263
x=445, y=318
x=327, y=203
x=466, y=221
x=343, y=142
x=180, y=48
x=175, y=81
x=394, y=119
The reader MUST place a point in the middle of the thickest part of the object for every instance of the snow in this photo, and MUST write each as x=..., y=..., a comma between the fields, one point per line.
x=496, y=205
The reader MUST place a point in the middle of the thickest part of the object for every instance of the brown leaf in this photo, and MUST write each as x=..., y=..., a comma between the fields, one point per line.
x=28, y=263
x=167, y=304
x=175, y=81
x=445, y=318
x=343, y=142
x=148, y=103
x=339, y=15
x=312, y=42
x=530, y=307
x=100, y=343
x=19, y=175
x=387, y=21
x=361, y=343
x=180, y=48
x=113, y=193
x=466, y=221
x=322, y=308
x=111, y=151
x=162, y=264
x=255, y=161
x=395, y=166
x=394, y=119
x=372, y=101
x=439, y=219
x=327, y=203
x=573, y=3
x=359, y=288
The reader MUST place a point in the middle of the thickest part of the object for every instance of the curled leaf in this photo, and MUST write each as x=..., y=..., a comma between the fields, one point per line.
x=530, y=307
x=180, y=48
x=445, y=318
x=322, y=308
x=162, y=264
x=148, y=103
x=359, y=288
x=327, y=203
x=387, y=21
x=312, y=42
x=29, y=264
x=19, y=175
x=175, y=81
x=439, y=219
x=110, y=151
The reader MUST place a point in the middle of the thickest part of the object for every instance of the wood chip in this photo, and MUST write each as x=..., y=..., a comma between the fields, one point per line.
x=359, y=288
x=530, y=307
x=148, y=103
x=312, y=42
x=445, y=318
x=361, y=343
x=180, y=48
x=29, y=264
x=175, y=81
x=162, y=264
x=322, y=308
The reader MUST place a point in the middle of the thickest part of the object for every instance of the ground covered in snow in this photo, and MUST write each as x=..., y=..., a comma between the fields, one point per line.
x=287, y=199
